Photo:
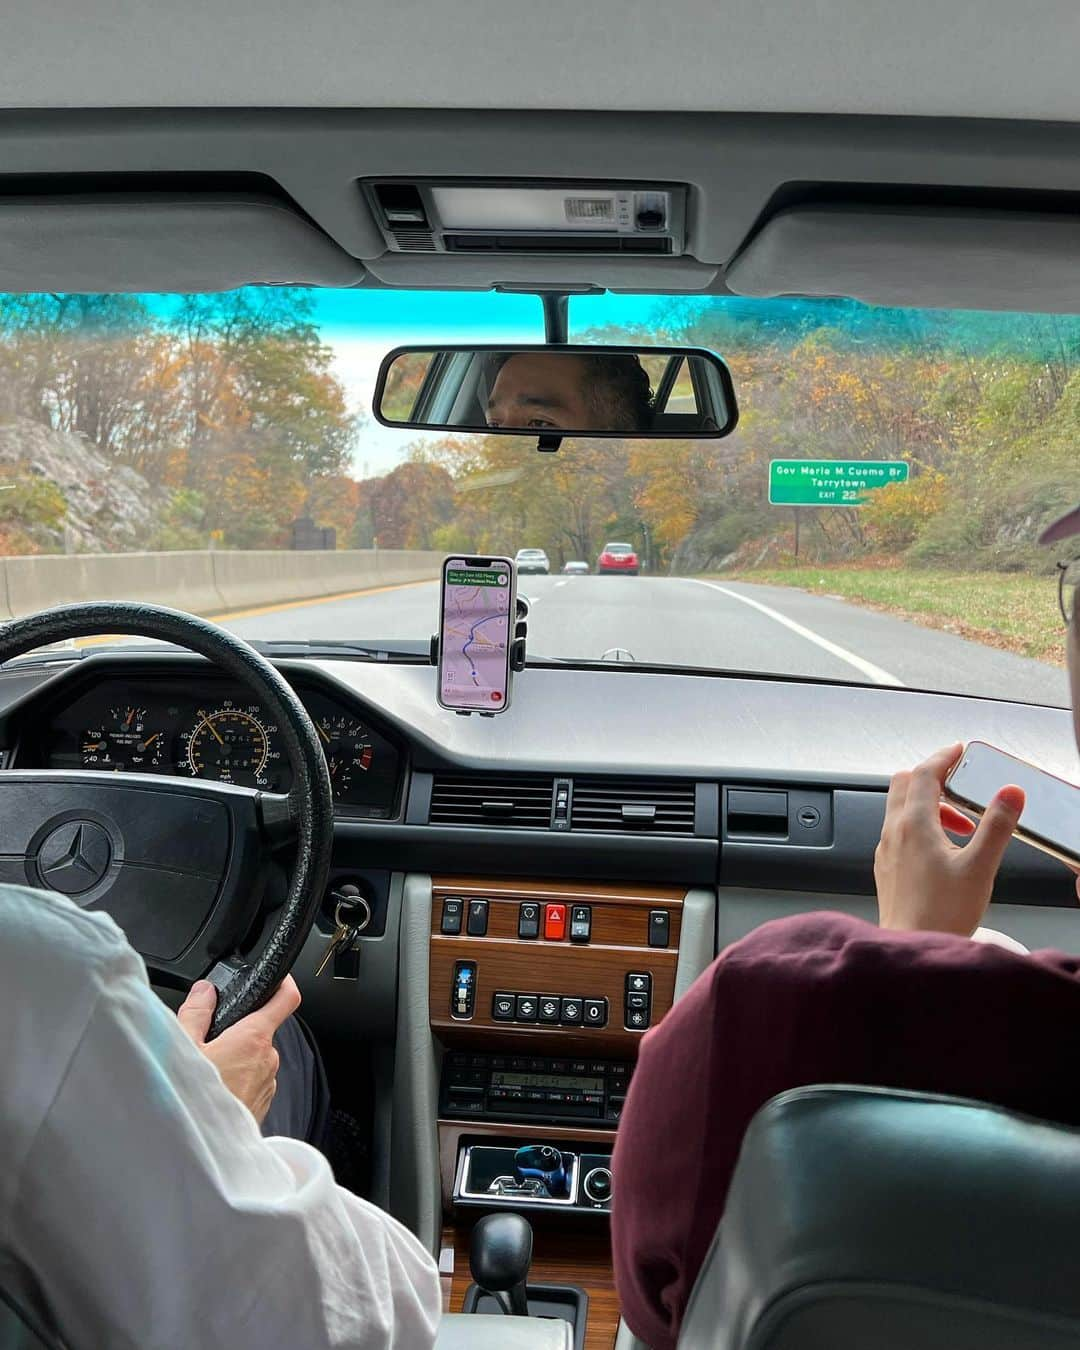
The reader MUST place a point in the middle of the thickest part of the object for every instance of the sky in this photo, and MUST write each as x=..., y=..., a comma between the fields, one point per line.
x=362, y=326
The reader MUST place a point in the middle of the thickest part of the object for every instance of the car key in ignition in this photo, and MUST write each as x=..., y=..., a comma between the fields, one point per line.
x=352, y=914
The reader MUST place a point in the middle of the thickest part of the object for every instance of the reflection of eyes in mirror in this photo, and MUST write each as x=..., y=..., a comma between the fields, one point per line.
x=554, y=391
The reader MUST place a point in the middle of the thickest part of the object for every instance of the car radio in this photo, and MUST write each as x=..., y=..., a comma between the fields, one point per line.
x=523, y=1087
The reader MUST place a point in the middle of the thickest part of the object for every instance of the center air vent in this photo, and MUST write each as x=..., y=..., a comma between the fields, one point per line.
x=633, y=805
x=520, y=801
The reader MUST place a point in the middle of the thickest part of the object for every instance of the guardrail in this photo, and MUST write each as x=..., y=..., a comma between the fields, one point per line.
x=211, y=582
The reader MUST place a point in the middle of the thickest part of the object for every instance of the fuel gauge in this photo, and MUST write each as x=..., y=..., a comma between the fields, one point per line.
x=123, y=741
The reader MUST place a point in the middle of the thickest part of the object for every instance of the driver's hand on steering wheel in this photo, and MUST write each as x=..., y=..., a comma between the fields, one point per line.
x=243, y=1054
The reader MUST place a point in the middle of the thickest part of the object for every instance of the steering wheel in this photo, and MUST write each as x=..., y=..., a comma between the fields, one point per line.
x=179, y=864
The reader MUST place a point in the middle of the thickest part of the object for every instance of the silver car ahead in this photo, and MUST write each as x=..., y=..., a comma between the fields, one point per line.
x=533, y=560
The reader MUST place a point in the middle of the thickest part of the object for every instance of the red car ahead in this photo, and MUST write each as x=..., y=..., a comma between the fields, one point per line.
x=617, y=558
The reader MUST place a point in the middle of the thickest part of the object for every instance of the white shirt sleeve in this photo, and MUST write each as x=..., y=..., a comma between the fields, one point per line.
x=153, y=1214
x=993, y=938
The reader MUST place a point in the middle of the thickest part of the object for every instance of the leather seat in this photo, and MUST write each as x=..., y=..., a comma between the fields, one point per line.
x=868, y=1219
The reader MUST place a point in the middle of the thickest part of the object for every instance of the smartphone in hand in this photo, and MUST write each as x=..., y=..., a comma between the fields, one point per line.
x=1051, y=817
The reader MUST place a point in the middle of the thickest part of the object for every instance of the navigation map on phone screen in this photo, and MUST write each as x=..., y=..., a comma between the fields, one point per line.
x=474, y=659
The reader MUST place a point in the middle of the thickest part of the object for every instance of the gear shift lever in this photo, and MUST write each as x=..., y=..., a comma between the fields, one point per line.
x=499, y=1256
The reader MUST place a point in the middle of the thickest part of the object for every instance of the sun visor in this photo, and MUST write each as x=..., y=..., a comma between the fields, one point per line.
x=163, y=242
x=938, y=258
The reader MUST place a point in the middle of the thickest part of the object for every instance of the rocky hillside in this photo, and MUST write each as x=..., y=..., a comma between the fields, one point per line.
x=106, y=507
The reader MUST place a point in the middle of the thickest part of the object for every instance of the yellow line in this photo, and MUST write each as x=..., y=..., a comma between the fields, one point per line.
x=273, y=609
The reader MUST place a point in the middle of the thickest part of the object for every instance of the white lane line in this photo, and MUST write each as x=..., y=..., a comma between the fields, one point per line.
x=867, y=668
x=559, y=583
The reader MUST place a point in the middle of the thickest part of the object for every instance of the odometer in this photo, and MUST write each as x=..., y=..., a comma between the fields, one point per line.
x=230, y=745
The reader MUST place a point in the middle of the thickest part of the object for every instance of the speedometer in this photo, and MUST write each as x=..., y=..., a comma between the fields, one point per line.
x=348, y=749
x=231, y=745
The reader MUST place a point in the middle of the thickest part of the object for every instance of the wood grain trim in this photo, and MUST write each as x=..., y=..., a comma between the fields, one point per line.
x=452, y=1132
x=596, y=969
x=582, y=892
x=561, y=1255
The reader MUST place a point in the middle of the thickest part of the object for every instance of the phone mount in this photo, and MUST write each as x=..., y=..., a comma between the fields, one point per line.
x=517, y=649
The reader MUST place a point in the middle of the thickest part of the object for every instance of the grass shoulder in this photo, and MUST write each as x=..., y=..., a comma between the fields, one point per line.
x=1012, y=611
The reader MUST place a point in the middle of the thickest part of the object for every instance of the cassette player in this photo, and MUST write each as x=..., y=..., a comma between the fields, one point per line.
x=525, y=1087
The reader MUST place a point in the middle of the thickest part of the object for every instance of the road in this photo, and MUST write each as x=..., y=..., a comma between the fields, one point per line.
x=733, y=626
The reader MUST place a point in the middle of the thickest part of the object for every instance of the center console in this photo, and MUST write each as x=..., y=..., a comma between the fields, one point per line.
x=539, y=994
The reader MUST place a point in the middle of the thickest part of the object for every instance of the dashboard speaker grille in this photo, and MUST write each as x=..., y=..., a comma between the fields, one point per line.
x=633, y=806
x=520, y=802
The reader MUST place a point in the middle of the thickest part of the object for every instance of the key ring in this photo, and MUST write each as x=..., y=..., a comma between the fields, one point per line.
x=352, y=902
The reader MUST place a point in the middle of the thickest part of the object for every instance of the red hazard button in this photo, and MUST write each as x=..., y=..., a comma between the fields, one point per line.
x=554, y=922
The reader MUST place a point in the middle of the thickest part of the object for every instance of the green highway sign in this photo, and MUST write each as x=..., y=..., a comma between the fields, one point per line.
x=830, y=482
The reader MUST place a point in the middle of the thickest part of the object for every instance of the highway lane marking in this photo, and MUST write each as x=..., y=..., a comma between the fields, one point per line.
x=867, y=668
x=278, y=608
x=559, y=583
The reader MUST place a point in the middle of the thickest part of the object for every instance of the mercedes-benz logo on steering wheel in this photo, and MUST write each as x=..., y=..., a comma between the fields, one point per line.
x=74, y=857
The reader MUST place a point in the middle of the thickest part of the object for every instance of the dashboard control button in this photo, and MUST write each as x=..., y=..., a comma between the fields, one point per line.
x=659, y=927
x=529, y=920
x=503, y=1007
x=596, y=1012
x=615, y=1107
x=637, y=1020
x=463, y=990
x=452, y=908
x=638, y=983
x=554, y=922
x=549, y=1008
x=477, y=923
x=637, y=1001
x=526, y=1007
x=571, y=1012
x=580, y=923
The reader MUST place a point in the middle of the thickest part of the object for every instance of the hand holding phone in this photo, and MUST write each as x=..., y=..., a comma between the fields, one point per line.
x=1051, y=815
x=476, y=628
x=926, y=882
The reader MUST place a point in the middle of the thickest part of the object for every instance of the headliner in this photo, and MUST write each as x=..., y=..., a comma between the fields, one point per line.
x=984, y=58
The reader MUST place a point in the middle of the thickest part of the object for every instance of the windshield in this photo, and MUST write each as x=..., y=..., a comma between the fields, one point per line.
x=873, y=518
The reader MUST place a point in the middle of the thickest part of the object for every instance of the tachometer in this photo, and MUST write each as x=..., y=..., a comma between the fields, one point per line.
x=231, y=745
x=123, y=741
x=347, y=747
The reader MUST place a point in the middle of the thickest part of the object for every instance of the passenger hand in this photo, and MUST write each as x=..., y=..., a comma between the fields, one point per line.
x=244, y=1055
x=924, y=880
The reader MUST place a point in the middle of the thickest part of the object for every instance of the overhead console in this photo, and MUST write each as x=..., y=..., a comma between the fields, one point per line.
x=615, y=219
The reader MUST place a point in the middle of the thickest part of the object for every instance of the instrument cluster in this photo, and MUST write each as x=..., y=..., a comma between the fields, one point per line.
x=211, y=729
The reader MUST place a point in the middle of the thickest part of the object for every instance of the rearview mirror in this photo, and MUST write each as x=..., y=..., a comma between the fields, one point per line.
x=557, y=391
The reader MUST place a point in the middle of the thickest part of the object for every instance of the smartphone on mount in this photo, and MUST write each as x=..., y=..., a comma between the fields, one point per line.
x=1051, y=816
x=477, y=614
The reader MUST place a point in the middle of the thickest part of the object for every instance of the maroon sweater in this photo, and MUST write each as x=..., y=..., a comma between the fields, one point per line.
x=818, y=998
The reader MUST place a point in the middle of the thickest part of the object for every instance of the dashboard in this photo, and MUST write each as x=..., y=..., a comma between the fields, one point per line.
x=210, y=728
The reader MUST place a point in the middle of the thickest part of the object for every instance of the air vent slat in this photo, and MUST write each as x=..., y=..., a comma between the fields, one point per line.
x=598, y=806
x=492, y=801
